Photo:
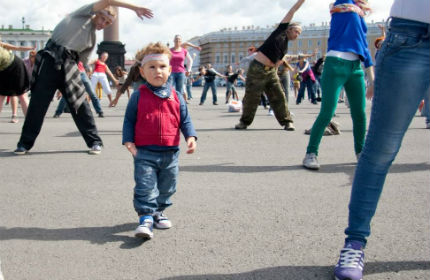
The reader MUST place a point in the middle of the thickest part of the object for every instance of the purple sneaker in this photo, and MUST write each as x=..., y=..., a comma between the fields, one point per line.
x=351, y=262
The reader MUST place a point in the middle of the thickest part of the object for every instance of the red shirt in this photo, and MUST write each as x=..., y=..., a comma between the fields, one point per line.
x=100, y=67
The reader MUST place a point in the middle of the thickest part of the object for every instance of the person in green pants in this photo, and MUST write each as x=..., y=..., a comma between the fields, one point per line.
x=347, y=47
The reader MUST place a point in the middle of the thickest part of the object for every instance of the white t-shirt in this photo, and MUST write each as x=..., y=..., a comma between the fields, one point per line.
x=418, y=10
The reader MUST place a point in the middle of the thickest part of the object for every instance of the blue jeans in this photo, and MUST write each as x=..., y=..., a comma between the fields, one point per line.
x=189, y=85
x=309, y=85
x=205, y=91
x=89, y=90
x=401, y=82
x=155, y=175
x=177, y=80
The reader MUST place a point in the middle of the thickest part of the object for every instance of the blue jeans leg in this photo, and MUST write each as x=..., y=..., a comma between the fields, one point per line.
x=60, y=107
x=402, y=80
x=213, y=88
x=177, y=80
x=189, y=93
x=167, y=179
x=91, y=93
x=155, y=175
x=205, y=91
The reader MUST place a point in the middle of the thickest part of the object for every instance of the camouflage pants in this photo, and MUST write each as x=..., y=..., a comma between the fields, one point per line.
x=264, y=79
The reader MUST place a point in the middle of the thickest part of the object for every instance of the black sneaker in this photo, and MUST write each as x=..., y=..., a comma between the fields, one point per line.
x=215, y=103
x=101, y=115
x=56, y=116
x=240, y=125
x=20, y=151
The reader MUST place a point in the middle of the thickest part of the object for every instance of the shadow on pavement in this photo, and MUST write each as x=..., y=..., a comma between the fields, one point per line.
x=307, y=272
x=347, y=168
x=8, y=153
x=96, y=235
x=229, y=167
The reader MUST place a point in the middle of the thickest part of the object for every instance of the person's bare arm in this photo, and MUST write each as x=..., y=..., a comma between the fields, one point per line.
x=289, y=16
x=15, y=48
x=188, y=44
x=140, y=11
x=111, y=75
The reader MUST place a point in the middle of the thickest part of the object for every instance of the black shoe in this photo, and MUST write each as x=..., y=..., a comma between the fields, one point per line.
x=20, y=151
x=289, y=126
x=241, y=126
x=201, y=103
x=215, y=103
x=101, y=115
x=56, y=116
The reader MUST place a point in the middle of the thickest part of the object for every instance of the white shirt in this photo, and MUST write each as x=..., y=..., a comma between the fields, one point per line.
x=418, y=10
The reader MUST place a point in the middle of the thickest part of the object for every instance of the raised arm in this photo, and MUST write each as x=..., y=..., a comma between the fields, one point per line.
x=188, y=44
x=289, y=16
x=189, y=62
x=15, y=48
x=140, y=11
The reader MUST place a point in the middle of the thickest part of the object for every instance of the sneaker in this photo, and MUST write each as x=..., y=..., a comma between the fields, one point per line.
x=161, y=221
x=270, y=113
x=144, y=230
x=13, y=119
x=95, y=149
x=56, y=116
x=289, y=126
x=310, y=162
x=351, y=262
x=20, y=151
x=240, y=125
x=215, y=103
x=201, y=103
x=101, y=115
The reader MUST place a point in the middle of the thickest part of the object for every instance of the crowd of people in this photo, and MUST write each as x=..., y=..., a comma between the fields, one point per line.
x=157, y=110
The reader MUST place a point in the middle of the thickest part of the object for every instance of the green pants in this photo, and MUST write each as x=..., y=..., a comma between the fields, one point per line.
x=261, y=79
x=338, y=73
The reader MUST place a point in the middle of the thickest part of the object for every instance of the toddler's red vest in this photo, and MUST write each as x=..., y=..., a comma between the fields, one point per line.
x=158, y=119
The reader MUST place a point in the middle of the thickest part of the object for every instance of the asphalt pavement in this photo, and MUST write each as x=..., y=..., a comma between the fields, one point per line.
x=245, y=208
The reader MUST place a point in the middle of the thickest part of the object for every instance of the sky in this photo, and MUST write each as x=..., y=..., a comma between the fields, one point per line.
x=189, y=18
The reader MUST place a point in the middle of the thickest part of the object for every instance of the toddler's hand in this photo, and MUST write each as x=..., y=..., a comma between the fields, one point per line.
x=191, y=143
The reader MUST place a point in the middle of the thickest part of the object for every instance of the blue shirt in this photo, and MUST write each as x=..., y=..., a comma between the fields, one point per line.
x=130, y=120
x=348, y=34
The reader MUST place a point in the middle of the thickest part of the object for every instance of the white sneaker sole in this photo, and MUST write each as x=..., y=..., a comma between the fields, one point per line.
x=162, y=226
x=143, y=235
x=311, y=167
x=91, y=152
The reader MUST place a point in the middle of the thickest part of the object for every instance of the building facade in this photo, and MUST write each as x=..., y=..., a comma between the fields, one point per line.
x=230, y=45
x=24, y=37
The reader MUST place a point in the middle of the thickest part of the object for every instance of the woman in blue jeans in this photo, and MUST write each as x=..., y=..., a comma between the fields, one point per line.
x=177, y=62
x=403, y=60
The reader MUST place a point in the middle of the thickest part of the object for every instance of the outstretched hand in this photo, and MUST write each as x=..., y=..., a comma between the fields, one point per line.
x=144, y=12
